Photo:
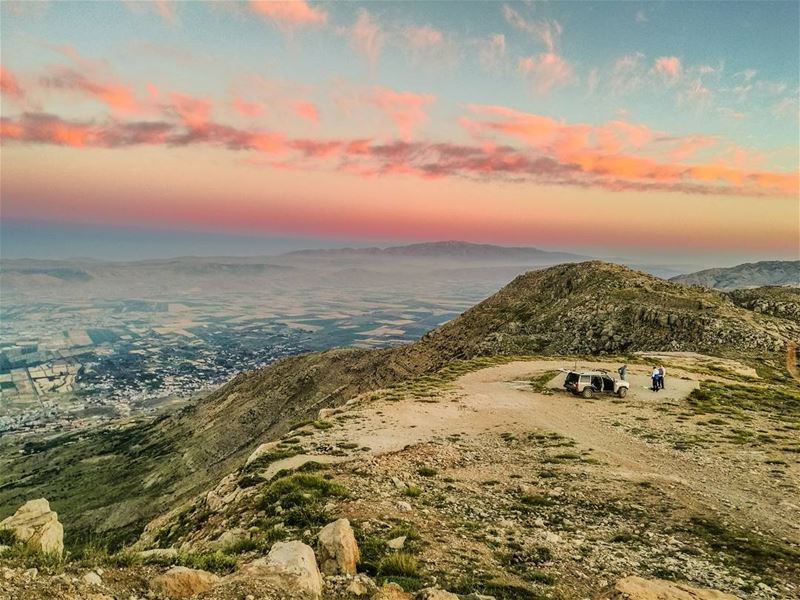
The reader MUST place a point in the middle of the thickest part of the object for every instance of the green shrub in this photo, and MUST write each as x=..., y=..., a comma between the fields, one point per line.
x=427, y=471
x=7, y=537
x=216, y=562
x=400, y=564
x=412, y=491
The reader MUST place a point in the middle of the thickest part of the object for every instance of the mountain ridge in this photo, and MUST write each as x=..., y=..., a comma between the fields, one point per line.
x=746, y=275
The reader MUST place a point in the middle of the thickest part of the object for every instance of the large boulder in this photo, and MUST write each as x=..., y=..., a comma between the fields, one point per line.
x=291, y=565
x=182, y=582
x=435, y=594
x=338, y=549
x=37, y=526
x=638, y=588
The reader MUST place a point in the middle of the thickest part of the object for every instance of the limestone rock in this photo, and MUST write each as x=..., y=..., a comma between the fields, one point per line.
x=92, y=578
x=338, y=549
x=182, y=582
x=36, y=525
x=230, y=537
x=159, y=553
x=361, y=586
x=288, y=564
x=261, y=451
x=391, y=591
x=435, y=594
x=638, y=588
x=397, y=543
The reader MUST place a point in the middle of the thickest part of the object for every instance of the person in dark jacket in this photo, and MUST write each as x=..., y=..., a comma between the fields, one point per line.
x=622, y=370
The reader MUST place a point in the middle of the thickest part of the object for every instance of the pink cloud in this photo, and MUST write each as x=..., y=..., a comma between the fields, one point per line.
x=548, y=32
x=115, y=95
x=9, y=85
x=306, y=110
x=194, y=112
x=491, y=51
x=405, y=109
x=247, y=109
x=423, y=38
x=670, y=67
x=290, y=13
x=547, y=71
x=367, y=36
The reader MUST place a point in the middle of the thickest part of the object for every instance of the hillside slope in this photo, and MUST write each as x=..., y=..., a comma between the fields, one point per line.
x=747, y=275
x=116, y=481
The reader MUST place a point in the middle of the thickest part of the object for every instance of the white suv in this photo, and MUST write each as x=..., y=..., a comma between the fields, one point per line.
x=589, y=383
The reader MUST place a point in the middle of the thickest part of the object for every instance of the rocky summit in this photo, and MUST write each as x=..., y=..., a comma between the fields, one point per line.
x=456, y=467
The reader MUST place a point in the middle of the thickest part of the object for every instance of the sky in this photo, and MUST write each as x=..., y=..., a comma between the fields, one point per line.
x=653, y=129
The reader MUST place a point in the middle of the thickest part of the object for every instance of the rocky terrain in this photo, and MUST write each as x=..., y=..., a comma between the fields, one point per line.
x=747, y=275
x=457, y=461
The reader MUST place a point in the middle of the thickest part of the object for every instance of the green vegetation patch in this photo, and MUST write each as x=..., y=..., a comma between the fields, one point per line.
x=298, y=499
x=732, y=400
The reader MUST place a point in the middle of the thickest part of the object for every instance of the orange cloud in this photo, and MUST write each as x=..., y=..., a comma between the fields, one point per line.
x=9, y=86
x=306, y=110
x=423, y=38
x=405, y=109
x=289, y=13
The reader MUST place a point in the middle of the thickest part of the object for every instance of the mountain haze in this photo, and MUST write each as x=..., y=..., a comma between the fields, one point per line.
x=747, y=275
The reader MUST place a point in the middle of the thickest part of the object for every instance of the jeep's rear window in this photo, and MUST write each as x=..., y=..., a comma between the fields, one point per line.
x=572, y=378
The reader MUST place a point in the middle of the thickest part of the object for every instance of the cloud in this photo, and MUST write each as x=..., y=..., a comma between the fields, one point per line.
x=492, y=51
x=367, y=36
x=115, y=95
x=788, y=107
x=616, y=156
x=670, y=67
x=167, y=10
x=547, y=71
x=289, y=13
x=423, y=38
x=306, y=110
x=193, y=112
x=9, y=86
x=247, y=109
x=641, y=16
x=547, y=31
x=405, y=109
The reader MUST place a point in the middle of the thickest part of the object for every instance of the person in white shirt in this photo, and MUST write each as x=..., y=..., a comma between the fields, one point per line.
x=654, y=376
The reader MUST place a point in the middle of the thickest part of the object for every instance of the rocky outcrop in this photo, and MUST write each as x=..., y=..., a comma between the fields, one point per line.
x=37, y=526
x=289, y=565
x=637, y=588
x=338, y=549
x=182, y=582
x=435, y=594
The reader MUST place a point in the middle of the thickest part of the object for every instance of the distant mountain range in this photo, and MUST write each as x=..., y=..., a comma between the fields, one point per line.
x=451, y=250
x=747, y=275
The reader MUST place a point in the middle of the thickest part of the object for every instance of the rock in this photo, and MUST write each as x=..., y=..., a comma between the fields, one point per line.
x=397, y=543
x=227, y=491
x=435, y=594
x=338, y=549
x=638, y=588
x=230, y=538
x=391, y=591
x=361, y=586
x=261, y=451
x=37, y=526
x=288, y=564
x=182, y=582
x=477, y=596
x=404, y=506
x=159, y=553
x=92, y=578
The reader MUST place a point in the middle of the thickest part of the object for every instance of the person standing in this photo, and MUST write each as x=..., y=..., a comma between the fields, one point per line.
x=622, y=370
x=661, y=372
x=654, y=377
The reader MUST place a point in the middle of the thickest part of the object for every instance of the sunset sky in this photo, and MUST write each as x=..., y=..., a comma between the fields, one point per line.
x=654, y=129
